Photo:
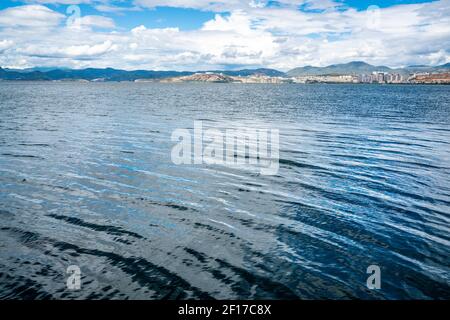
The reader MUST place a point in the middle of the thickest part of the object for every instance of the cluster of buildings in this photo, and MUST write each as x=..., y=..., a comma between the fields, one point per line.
x=261, y=79
x=381, y=77
x=378, y=77
x=326, y=79
x=222, y=78
x=374, y=77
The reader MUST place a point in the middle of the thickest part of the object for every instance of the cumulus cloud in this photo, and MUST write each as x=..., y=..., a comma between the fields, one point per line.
x=5, y=44
x=115, y=9
x=79, y=52
x=93, y=21
x=239, y=21
x=217, y=5
x=321, y=4
x=252, y=34
x=230, y=5
x=29, y=16
x=209, y=5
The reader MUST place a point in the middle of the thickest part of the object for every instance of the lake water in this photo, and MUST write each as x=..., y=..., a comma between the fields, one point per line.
x=86, y=179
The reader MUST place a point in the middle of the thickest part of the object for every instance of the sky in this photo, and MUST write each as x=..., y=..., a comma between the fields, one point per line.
x=222, y=34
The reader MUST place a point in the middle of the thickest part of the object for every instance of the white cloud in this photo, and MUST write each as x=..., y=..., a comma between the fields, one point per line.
x=29, y=16
x=94, y=21
x=115, y=9
x=230, y=5
x=321, y=4
x=87, y=51
x=239, y=21
x=252, y=35
x=80, y=51
x=206, y=5
x=5, y=44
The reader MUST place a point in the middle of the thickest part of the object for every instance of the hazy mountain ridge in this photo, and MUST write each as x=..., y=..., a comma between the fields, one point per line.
x=360, y=67
x=110, y=74
x=252, y=72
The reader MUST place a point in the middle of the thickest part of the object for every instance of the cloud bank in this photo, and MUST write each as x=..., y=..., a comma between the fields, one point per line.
x=250, y=34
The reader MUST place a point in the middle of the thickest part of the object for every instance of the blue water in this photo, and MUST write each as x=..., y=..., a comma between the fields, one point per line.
x=86, y=179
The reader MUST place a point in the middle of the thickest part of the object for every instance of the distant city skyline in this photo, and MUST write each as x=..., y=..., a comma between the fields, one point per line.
x=207, y=35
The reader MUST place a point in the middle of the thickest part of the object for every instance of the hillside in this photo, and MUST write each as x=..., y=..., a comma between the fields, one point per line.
x=359, y=67
x=355, y=67
x=202, y=77
x=110, y=74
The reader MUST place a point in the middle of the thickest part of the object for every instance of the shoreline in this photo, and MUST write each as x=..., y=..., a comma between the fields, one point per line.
x=216, y=82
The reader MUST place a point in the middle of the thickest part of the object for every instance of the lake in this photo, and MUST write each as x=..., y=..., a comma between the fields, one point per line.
x=86, y=179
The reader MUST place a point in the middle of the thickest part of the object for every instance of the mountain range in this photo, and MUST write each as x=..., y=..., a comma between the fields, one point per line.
x=109, y=74
x=360, y=67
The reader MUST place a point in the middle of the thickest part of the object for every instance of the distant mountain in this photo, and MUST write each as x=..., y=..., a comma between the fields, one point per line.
x=251, y=72
x=15, y=75
x=202, y=77
x=359, y=67
x=441, y=68
x=41, y=69
x=110, y=74
x=355, y=67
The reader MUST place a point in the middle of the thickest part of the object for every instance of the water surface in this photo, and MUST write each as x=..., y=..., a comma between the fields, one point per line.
x=86, y=179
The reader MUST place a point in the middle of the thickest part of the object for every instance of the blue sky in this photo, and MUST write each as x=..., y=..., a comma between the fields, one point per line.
x=201, y=34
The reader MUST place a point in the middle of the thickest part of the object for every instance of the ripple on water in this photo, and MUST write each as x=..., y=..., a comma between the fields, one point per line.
x=89, y=181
